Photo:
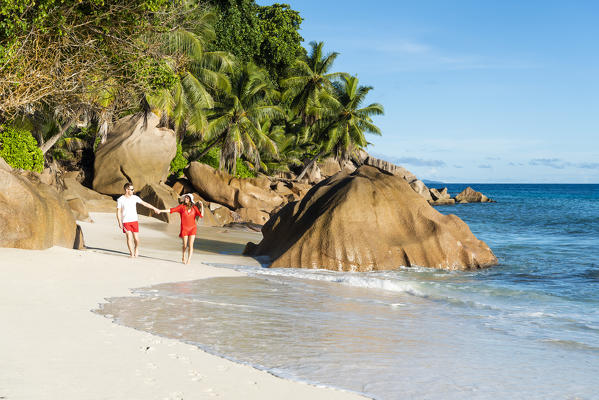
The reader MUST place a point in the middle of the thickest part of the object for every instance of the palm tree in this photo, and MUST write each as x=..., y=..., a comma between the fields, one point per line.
x=200, y=74
x=347, y=133
x=342, y=132
x=310, y=86
x=289, y=149
x=185, y=105
x=235, y=121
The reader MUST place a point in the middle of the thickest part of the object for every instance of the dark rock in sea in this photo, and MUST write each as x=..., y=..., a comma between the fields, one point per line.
x=368, y=220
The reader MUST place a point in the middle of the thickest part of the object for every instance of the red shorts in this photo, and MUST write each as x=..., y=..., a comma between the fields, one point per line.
x=131, y=227
x=188, y=231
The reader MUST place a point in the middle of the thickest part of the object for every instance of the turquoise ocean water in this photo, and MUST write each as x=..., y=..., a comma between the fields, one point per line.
x=525, y=329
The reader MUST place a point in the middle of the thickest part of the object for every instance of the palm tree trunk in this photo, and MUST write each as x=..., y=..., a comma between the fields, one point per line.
x=52, y=141
x=103, y=122
x=307, y=166
x=211, y=145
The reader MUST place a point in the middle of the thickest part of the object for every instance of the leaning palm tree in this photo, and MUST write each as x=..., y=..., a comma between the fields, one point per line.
x=234, y=122
x=342, y=132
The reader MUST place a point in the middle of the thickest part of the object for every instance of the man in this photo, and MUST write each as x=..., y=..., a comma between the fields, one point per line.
x=126, y=215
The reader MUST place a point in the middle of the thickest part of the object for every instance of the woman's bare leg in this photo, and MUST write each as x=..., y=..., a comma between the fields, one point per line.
x=190, y=247
x=183, y=248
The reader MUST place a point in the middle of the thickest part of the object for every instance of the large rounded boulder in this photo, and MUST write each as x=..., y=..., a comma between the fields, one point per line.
x=220, y=187
x=364, y=221
x=135, y=151
x=33, y=215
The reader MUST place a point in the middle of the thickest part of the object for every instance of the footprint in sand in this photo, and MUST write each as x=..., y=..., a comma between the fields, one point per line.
x=151, y=366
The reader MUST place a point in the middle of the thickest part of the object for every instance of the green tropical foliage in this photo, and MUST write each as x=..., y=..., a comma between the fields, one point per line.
x=230, y=77
x=345, y=131
x=235, y=119
x=309, y=87
x=178, y=163
x=281, y=42
x=212, y=158
x=19, y=149
x=66, y=53
x=237, y=28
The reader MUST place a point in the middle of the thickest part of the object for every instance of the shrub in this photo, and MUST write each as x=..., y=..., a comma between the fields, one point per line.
x=243, y=171
x=179, y=162
x=19, y=149
x=212, y=158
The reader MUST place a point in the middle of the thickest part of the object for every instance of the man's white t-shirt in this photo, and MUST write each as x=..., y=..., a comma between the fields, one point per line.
x=129, y=206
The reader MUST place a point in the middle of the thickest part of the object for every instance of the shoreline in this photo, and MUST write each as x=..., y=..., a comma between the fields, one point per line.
x=54, y=346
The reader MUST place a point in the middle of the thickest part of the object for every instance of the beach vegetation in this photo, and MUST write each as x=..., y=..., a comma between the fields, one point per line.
x=344, y=129
x=178, y=163
x=234, y=122
x=229, y=77
x=19, y=149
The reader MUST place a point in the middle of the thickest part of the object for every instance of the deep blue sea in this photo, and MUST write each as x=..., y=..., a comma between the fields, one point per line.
x=525, y=329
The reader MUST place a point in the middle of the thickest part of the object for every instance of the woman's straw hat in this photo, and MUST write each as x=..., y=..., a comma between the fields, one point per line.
x=182, y=197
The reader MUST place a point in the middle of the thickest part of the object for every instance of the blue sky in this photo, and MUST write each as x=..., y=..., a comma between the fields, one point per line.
x=474, y=91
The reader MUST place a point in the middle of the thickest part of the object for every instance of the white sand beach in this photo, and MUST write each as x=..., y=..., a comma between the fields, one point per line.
x=53, y=347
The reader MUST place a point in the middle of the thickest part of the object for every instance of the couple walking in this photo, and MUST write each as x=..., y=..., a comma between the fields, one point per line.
x=126, y=215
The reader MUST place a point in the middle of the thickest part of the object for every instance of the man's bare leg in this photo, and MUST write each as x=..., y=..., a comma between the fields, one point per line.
x=183, y=248
x=190, y=247
x=136, y=242
x=130, y=243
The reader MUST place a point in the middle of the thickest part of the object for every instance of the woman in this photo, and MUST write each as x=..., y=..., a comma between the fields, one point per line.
x=189, y=212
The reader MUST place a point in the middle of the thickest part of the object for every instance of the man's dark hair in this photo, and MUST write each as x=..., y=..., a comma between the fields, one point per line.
x=126, y=185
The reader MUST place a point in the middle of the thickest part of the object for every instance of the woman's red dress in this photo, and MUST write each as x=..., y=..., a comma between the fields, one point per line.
x=188, y=219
